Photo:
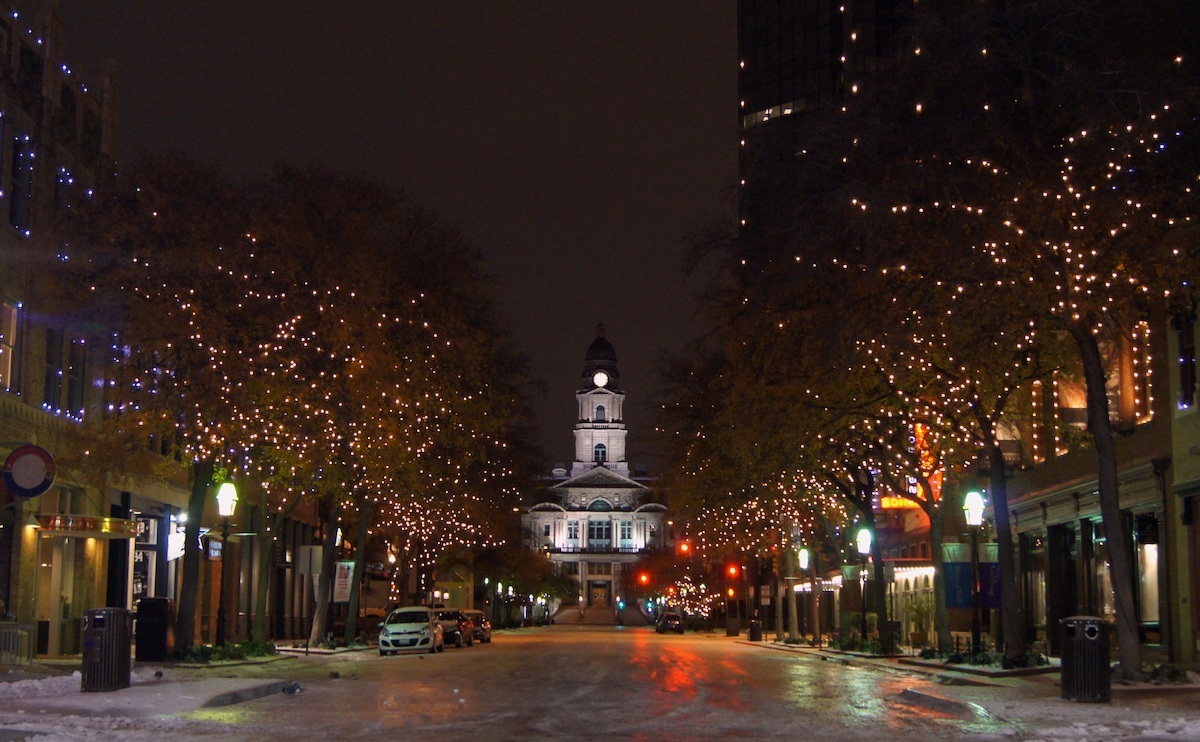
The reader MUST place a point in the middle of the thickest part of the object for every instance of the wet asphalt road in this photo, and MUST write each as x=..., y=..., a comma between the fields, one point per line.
x=583, y=683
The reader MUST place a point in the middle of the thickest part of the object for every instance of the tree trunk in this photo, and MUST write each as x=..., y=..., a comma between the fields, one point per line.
x=779, y=586
x=330, y=514
x=1012, y=618
x=1120, y=564
x=941, y=613
x=879, y=595
x=793, y=620
x=189, y=588
x=815, y=603
x=360, y=552
x=266, y=557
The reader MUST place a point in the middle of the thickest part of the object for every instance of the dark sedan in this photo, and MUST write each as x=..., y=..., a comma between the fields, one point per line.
x=669, y=621
x=483, y=627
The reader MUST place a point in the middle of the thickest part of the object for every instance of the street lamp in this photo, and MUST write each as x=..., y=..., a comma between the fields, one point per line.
x=973, y=509
x=864, y=550
x=804, y=557
x=226, y=501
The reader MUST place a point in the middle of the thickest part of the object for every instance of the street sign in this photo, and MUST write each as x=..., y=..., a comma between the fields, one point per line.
x=29, y=471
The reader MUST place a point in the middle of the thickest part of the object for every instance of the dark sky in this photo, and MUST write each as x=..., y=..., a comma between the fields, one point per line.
x=578, y=143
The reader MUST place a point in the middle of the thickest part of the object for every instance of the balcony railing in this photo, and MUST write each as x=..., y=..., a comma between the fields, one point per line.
x=597, y=550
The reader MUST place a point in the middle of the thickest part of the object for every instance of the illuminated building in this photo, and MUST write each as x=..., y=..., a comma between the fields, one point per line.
x=598, y=517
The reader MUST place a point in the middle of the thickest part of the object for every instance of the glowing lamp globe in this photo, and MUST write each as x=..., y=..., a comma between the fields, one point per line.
x=226, y=499
x=973, y=506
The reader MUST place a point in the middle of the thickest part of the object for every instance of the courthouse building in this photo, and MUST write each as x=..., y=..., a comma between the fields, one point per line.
x=598, y=517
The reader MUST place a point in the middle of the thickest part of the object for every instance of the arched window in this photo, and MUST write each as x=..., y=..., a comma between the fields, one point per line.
x=599, y=413
x=599, y=453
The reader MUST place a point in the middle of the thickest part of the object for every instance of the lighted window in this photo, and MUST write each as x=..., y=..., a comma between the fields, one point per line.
x=626, y=530
x=599, y=531
x=8, y=345
x=573, y=529
x=600, y=453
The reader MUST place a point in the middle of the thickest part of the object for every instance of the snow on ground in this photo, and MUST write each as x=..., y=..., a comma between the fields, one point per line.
x=1143, y=712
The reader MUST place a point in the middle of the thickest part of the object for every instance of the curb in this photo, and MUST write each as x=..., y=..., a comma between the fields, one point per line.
x=247, y=694
x=911, y=697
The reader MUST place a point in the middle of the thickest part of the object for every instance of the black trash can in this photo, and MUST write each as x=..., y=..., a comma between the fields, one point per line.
x=1086, y=671
x=733, y=626
x=106, y=649
x=755, y=631
x=154, y=629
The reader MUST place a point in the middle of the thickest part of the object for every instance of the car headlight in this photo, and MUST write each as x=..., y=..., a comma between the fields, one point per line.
x=424, y=630
x=384, y=631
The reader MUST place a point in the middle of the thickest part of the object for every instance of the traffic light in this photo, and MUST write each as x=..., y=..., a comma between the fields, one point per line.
x=732, y=570
x=644, y=578
x=685, y=548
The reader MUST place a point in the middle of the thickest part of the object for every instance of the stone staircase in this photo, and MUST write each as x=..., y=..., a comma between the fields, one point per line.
x=598, y=615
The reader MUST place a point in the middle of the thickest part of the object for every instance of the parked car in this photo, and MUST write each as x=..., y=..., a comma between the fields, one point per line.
x=457, y=628
x=411, y=628
x=483, y=627
x=669, y=621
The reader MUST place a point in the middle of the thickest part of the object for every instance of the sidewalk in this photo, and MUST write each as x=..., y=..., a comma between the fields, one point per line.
x=1030, y=699
x=55, y=686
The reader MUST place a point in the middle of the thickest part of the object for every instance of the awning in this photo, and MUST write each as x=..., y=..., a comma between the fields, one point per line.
x=86, y=526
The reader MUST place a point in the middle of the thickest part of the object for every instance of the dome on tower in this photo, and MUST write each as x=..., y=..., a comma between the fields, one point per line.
x=600, y=349
x=600, y=356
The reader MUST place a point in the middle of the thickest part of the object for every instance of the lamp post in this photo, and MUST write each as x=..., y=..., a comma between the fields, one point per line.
x=973, y=506
x=226, y=501
x=864, y=550
x=804, y=559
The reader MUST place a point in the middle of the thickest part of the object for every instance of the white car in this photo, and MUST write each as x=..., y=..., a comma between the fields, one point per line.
x=410, y=628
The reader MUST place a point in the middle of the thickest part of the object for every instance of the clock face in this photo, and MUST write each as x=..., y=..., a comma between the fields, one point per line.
x=600, y=378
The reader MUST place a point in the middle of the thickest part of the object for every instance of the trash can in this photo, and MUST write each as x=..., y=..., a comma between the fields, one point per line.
x=1086, y=671
x=755, y=631
x=733, y=626
x=154, y=629
x=106, y=649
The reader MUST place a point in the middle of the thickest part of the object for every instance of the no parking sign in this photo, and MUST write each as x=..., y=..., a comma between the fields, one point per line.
x=29, y=471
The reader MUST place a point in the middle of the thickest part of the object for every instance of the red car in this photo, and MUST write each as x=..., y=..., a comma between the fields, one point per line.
x=457, y=627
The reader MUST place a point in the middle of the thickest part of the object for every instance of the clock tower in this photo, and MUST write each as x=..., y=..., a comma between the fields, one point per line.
x=600, y=432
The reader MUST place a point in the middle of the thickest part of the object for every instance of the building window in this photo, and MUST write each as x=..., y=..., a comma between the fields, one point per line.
x=600, y=414
x=546, y=530
x=1184, y=324
x=571, y=568
x=21, y=194
x=77, y=362
x=8, y=345
x=599, y=530
x=626, y=530
x=52, y=379
x=599, y=453
x=573, y=529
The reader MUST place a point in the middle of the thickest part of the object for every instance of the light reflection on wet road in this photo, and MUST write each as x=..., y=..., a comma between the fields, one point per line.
x=592, y=683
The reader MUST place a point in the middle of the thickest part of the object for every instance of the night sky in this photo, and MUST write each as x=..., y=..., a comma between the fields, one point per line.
x=580, y=144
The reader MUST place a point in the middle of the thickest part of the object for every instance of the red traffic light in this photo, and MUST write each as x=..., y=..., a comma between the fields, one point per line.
x=644, y=578
x=732, y=570
x=684, y=547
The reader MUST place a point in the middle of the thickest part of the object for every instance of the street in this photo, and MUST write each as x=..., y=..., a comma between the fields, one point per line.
x=578, y=683
x=590, y=683
x=560, y=683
